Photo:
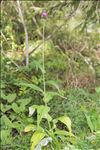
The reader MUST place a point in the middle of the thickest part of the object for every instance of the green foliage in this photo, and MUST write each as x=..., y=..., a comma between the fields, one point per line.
x=93, y=120
x=12, y=115
x=40, y=119
x=50, y=131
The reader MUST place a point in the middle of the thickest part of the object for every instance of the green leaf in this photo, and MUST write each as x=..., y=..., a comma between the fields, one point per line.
x=32, y=86
x=16, y=108
x=42, y=112
x=24, y=102
x=89, y=122
x=3, y=95
x=30, y=127
x=3, y=85
x=49, y=96
x=6, y=137
x=63, y=132
x=53, y=83
x=11, y=97
x=6, y=121
x=5, y=108
x=66, y=120
x=57, y=144
x=48, y=117
x=98, y=90
x=36, y=138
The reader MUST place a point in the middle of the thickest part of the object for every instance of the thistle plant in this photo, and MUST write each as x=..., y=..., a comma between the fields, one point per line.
x=44, y=15
x=49, y=133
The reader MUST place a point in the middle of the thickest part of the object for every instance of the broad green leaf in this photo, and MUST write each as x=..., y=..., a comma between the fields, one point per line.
x=66, y=120
x=6, y=136
x=16, y=108
x=11, y=97
x=42, y=112
x=36, y=138
x=30, y=127
x=5, y=108
x=6, y=121
x=24, y=101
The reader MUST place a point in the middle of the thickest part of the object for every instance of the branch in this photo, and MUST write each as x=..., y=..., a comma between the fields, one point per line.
x=25, y=29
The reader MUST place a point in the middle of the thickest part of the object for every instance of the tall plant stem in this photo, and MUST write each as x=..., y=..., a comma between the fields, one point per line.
x=43, y=57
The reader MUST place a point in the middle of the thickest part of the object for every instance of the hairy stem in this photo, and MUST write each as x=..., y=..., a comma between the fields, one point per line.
x=43, y=53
